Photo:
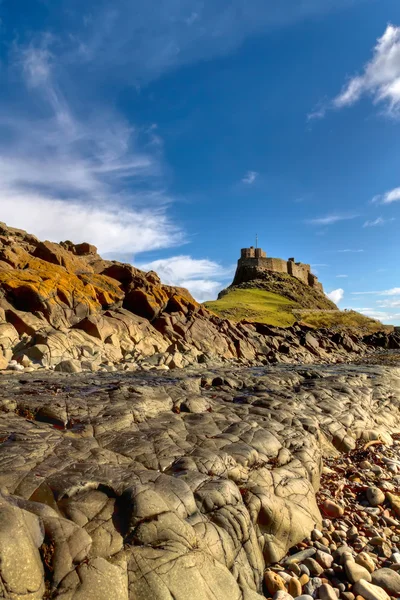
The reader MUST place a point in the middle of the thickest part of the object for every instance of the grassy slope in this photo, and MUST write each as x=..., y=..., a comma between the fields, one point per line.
x=255, y=304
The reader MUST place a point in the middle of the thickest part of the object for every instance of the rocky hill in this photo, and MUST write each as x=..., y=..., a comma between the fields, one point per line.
x=62, y=306
x=280, y=299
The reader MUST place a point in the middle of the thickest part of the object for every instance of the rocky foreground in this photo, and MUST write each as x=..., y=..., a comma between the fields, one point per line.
x=193, y=483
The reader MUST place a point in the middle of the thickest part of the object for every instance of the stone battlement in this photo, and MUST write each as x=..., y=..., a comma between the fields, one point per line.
x=255, y=260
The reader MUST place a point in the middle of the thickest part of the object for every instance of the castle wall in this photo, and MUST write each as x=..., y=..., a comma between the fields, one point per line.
x=314, y=283
x=299, y=270
x=274, y=264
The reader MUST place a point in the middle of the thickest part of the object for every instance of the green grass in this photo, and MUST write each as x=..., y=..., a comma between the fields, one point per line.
x=341, y=319
x=254, y=304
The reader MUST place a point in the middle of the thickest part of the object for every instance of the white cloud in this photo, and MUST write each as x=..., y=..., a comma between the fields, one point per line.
x=381, y=75
x=380, y=315
x=330, y=219
x=391, y=292
x=389, y=303
x=320, y=265
x=388, y=197
x=36, y=61
x=336, y=295
x=318, y=112
x=250, y=177
x=111, y=228
x=378, y=221
x=80, y=178
x=197, y=275
x=349, y=250
x=341, y=276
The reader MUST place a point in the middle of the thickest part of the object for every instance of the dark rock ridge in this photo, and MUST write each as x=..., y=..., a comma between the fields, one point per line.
x=172, y=486
x=62, y=306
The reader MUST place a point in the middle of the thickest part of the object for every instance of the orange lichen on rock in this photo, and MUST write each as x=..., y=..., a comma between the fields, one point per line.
x=62, y=297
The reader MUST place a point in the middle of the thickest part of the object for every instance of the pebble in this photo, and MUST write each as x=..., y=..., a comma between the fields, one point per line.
x=387, y=579
x=285, y=576
x=282, y=595
x=365, y=561
x=294, y=587
x=395, y=558
x=314, y=567
x=304, y=579
x=273, y=582
x=299, y=556
x=324, y=559
x=369, y=591
x=326, y=592
x=355, y=572
x=304, y=597
x=312, y=585
x=294, y=568
x=332, y=509
x=316, y=534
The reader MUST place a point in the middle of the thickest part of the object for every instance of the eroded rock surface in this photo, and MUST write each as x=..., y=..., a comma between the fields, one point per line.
x=171, y=486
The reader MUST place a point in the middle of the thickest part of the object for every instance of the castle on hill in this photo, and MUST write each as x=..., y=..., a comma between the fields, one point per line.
x=254, y=261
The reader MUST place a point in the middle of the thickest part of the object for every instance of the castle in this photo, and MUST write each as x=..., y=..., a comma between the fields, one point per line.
x=254, y=261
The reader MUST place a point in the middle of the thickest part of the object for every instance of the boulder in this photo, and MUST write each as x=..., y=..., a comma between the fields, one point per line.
x=387, y=579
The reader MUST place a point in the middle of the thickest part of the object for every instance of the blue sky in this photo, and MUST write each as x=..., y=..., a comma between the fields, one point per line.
x=170, y=132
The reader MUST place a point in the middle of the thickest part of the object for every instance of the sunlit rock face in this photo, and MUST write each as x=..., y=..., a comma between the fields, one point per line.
x=172, y=485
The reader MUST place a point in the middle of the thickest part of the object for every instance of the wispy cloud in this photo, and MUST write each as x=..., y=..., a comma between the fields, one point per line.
x=379, y=221
x=336, y=295
x=391, y=292
x=350, y=250
x=389, y=303
x=81, y=178
x=388, y=198
x=342, y=276
x=380, y=315
x=250, y=177
x=319, y=265
x=380, y=79
x=381, y=75
x=330, y=219
x=318, y=112
x=133, y=41
x=199, y=276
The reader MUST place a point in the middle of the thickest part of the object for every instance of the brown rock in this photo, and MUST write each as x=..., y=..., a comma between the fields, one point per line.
x=273, y=582
x=332, y=509
x=294, y=587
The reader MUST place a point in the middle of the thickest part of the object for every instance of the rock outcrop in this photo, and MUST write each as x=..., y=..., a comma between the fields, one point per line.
x=171, y=486
x=63, y=306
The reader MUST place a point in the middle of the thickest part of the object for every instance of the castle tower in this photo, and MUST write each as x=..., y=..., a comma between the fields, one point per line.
x=259, y=253
x=248, y=252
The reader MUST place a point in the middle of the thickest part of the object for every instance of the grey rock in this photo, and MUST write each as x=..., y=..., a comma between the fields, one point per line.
x=375, y=496
x=387, y=579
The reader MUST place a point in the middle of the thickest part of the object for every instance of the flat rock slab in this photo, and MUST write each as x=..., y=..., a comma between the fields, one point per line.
x=136, y=486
